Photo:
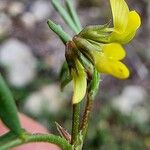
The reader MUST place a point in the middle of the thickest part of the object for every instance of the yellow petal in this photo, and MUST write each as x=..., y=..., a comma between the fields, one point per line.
x=126, y=22
x=120, y=13
x=134, y=21
x=112, y=67
x=114, y=51
x=79, y=83
x=133, y=24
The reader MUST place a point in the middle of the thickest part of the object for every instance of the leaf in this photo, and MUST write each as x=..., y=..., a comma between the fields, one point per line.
x=8, y=109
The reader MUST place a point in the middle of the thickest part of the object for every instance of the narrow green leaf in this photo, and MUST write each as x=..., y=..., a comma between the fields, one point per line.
x=59, y=31
x=8, y=109
x=73, y=13
x=64, y=14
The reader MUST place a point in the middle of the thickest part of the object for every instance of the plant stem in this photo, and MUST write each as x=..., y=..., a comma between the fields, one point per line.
x=64, y=15
x=73, y=14
x=86, y=115
x=7, y=137
x=75, y=122
x=59, y=31
x=92, y=90
x=61, y=142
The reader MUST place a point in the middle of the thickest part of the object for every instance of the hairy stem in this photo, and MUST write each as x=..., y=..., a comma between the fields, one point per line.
x=29, y=138
x=86, y=115
x=75, y=122
x=92, y=90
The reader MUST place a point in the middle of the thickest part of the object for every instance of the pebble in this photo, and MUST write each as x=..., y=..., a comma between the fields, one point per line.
x=131, y=97
x=19, y=62
x=16, y=8
x=48, y=99
x=5, y=24
x=41, y=9
x=28, y=19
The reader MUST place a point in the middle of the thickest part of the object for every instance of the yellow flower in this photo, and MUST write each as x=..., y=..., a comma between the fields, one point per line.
x=106, y=57
x=125, y=22
x=108, y=60
x=79, y=82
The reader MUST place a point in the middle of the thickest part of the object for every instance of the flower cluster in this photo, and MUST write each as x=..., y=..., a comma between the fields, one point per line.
x=102, y=46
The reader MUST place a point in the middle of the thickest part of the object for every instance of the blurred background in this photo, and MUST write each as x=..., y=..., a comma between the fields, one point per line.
x=31, y=57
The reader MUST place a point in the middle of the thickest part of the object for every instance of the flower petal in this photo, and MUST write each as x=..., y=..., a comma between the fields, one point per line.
x=126, y=22
x=79, y=83
x=133, y=24
x=134, y=21
x=114, y=51
x=120, y=13
x=112, y=67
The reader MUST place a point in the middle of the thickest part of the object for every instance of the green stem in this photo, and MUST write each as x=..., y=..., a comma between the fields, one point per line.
x=62, y=143
x=75, y=122
x=59, y=31
x=64, y=15
x=73, y=14
x=7, y=137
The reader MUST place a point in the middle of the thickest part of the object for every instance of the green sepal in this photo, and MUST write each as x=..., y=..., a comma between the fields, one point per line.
x=86, y=47
x=8, y=109
x=94, y=84
x=99, y=33
x=64, y=76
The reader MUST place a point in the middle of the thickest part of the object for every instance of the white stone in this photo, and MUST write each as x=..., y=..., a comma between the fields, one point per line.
x=131, y=97
x=19, y=62
x=34, y=103
x=41, y=9
x=5, y=24
x=49, y=99
x=137, y=93
x=15, y=8
x=28, y=19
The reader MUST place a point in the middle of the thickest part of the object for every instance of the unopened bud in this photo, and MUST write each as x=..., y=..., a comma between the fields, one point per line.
x=86, y=47
x=99, y=33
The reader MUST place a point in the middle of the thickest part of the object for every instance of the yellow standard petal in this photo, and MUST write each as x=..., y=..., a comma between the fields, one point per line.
x=114, y=51
x=120, y=13
x=134, y=21
x=125, y=22
x=133, y=24
x=79, y=83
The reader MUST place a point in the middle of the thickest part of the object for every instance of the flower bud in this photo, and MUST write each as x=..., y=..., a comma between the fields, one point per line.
x=86, y=47
x=98, y=33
